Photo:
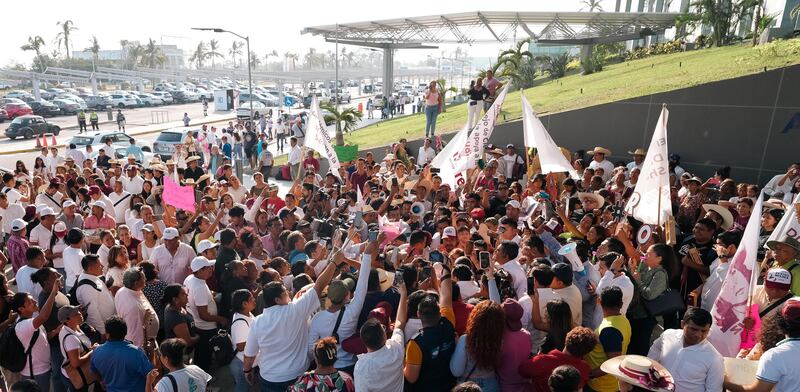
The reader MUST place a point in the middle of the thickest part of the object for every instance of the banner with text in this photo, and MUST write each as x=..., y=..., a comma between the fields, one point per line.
x=650, y=201
x=319, y=139
x=473, y=149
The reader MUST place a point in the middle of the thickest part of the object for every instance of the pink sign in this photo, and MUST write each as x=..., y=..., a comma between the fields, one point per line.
x=750, y=336
x=178, y=196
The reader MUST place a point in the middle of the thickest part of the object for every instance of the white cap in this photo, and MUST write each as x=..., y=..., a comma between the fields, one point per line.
x=449, y=231
x=40, y=207
x=205, y=245
x=60, y=226
x=98, y=203
x=513, y=203
x=170, y=233
x=201, y=262
x=68, y=203
x=18, y=224
x=46, y=211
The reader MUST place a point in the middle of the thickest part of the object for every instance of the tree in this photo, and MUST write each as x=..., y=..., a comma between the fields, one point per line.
x=236, y=48
x=199, y=54
x=442, y=90
x=795, y=13
x=213, y=51
x=310, y=57
x=273, y=53
x=715, y=14
x=556, y=66
x=67, y=27
x=35, y=44
x=511, y=63
x=94, y=48
x=345, y=119
x=255, y=61
x=153, y=56
x=291, y=60
x=592, y=5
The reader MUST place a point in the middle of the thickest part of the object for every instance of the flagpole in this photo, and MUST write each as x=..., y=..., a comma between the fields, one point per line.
x=659, y=207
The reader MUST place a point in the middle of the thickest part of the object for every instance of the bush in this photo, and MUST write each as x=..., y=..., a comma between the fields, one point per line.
x=673, y=46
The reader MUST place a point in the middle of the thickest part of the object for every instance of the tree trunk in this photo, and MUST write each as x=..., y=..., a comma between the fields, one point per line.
x=756, y=20
x=339, y=134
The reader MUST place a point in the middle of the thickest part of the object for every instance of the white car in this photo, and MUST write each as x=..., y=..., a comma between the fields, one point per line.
x=165, y=96
x=74, y=98
x=119, y=140
x=19, y=94
x=150, y=99
x=243, y=111
x=123, y=101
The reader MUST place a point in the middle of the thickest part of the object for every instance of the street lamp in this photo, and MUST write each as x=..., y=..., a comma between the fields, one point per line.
x=249, y=67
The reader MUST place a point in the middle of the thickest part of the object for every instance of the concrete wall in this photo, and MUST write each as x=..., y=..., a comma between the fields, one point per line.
x=736, y=123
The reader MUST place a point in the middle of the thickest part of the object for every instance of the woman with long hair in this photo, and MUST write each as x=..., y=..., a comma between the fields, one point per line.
x=117, y=264
x=39, y=168
x=477, y=355
x=178, y=322
x=769, y=220
x=434, y=101
x=153, y=288
x=557, y=322
x=130, y=243
x=651, y=277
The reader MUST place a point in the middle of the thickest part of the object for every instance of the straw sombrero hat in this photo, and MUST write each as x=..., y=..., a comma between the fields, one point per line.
x=638, y=151
x=598, y=199
x=727, y=217
x=640, y=371
x=192, y=159
x=599, y=150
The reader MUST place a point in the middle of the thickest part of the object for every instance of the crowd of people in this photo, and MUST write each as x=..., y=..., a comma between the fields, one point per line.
x=380, y=277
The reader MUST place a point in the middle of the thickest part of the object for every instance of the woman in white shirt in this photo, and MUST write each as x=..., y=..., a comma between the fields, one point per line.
x=58, y=247
x=148, y=244
x=73, y=255
x=75, y=345
x=181, y=378
x=117, y=264
x=242, y=303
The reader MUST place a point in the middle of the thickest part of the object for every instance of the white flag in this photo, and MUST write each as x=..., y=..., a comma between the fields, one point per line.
x=650, y=202
x=473, y=149
x=318, y=139
x=450, y=160
x=730, y=308
x=359, y=197
x=789, y=224
x=536, y=136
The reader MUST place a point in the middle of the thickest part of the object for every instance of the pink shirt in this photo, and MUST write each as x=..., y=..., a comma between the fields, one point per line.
x=432, y=98
x=515, y=351
x=106, y=222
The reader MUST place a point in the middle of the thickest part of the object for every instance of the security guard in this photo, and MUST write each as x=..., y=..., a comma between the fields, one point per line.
x=93, y=119
x=82, y=121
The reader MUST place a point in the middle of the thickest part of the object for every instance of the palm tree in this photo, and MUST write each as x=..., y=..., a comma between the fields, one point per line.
x=35, y=44
x=557, y=65
x=513, y=60
x=95, y=49
x=153, y=56
x=199, y=54
x=309, y=57
x=236, y=48
x=592, y=5
x=67, y=27
x=344, y=118
x=134, y=53
x=255, y=61
x=795, y=13
x=274, y=53
x=442, y=90
x=213, y=51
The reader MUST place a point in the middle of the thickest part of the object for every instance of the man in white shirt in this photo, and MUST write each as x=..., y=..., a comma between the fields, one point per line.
x=281, y=332
x=8, y=212
x=93, y=294
x=638, y=159
x=76, y=155
x=323, y=323
x=204, y=310
x=135, y=309
x=561, y=287
x=381, y=368
x=614, y=275
x=295, y=156
x=695, y=365
x=51, y=197
x=172, y=257
x=41, y=234
x=132, y=182
x=725, y=248
x=426, y=153
x=506, y=257
x=120, y=201
x=511, y=158
x=783, y=183
x=97, y=195
x=34, y=260
x=599, y=161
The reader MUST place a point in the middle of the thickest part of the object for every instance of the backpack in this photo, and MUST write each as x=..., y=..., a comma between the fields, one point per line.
x=221, y=348
x=12, y=353
x=73, y=292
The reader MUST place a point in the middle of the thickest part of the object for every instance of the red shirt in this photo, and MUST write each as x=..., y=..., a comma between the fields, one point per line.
x=462, y=311
x=273, y=204
x=540, y=367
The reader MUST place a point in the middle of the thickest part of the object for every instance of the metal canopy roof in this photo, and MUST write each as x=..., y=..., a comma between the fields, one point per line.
x=498, y=26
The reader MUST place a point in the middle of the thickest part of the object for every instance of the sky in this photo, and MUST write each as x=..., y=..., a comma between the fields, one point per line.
x=270, y=24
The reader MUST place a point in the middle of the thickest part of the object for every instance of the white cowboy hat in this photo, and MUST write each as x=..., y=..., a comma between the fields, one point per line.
x=727, y=217
x=600, y=200
x=640, y=371
x=638, y=151
x=600, y=150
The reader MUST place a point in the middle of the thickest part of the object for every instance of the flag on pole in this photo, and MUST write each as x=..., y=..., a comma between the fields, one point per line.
x=536, y=136
x=359, y=197
x=730, y=308
x=318, y=138
x=650, y=201
x=449, y=161
x=473, y=149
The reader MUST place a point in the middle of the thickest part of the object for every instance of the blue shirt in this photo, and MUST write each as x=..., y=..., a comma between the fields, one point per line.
x=296, y=256
x=122, y=366
x=136, y=151
x=227, y=149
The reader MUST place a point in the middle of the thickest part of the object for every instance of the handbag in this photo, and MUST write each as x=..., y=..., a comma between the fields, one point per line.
x=82, y=376
x=670, y=301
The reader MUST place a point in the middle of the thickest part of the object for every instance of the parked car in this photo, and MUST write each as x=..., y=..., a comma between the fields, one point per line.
x=377, y=102
x=118, y=140
x=123, y=101
x=150, y=99
x=322, y=96
x=204, y=94
x=67, y=106
x=121, y=153
x=258, y=97
x=98, y=101
x=19, y=94
x=51, y=93
x=164, y=145
x=15, y=110
x=243, y=111
x=165, y=96
x=164, y=86
x=3, y=114
x=29, y=126
x=179, y=96
x=76, y=99
x=44, y=108
x=344, y=96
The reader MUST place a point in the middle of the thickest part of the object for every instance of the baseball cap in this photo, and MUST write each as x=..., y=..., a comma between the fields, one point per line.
x=98, y=203
x=513, y=204
x=509, y=145
x=68, y=203
x=563, y=272
x=791, y=311
x=200, y=262
x=449, y=231
x=94, y=189
x=148, y=227
x=205, y=245
x=46, y=211
x=66, y=312
x=170, y=233
x=60, y=227
x=778, y=278
x=513, y=312
x=477, y=213
x=18, y=224
x=338, y=289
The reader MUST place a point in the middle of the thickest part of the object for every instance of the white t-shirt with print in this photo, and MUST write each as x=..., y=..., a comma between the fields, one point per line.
x=189, y=379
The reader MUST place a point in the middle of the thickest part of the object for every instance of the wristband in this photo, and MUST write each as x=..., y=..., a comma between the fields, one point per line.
x=248, y=371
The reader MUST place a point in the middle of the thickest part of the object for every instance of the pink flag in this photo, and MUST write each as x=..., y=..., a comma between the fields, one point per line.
x=178, y=196
x=750, y=336
x=730, y=308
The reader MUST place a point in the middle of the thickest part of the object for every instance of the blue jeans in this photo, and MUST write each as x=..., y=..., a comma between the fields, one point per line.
x=431, y=112
x=268, y=386
x=237, y=371
x=238, y=152
x=43, y=380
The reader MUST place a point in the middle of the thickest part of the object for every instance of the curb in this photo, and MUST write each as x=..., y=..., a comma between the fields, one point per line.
x=26, y=150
